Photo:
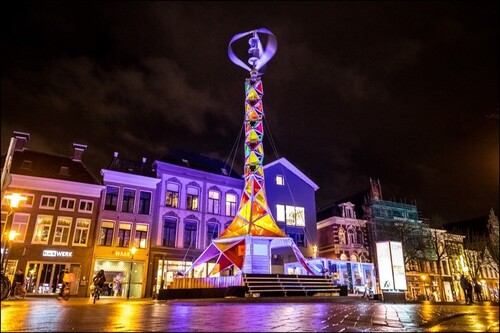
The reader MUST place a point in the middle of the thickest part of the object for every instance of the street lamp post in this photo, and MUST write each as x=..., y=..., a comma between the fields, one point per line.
x=8, y=235
x=132, y=250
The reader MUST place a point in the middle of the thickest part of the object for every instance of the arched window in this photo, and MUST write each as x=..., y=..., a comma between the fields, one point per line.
x=350, y=236
x=341, y=236
x=361, y=238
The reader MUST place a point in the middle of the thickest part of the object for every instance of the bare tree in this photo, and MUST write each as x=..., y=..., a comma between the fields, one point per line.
x=438, y=246
x=493, y=244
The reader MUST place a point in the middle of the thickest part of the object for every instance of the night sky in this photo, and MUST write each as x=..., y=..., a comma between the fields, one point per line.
x=403, y=92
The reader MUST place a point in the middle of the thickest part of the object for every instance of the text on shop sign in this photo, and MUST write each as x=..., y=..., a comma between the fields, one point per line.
x=53, y=253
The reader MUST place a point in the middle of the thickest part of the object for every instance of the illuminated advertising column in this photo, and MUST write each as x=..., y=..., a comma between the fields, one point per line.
x=391, y=268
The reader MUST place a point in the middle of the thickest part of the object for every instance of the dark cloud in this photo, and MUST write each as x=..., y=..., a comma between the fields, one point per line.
x=392, y=90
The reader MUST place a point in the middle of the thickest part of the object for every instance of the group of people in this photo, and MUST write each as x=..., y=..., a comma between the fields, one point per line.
x=64, y=279
x=469, y=289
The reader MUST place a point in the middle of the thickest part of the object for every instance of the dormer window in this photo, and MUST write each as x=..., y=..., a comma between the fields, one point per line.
x=26, y=165
x=347, y=209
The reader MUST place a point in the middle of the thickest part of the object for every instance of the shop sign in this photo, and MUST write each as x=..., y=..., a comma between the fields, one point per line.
x=122, y=253
x=54, y=253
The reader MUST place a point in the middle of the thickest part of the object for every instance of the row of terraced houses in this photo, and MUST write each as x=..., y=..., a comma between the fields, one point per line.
x=169, y=210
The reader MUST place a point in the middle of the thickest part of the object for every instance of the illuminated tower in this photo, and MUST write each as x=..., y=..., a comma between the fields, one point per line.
x=253, y=216
x=249, y=238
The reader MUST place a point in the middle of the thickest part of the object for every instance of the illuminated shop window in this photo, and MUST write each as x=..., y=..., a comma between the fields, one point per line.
x=213, y=206
x=81, y=232
x=172, y=195
x=192, y=198
x=42, y=229
x=106, y=233
x=141, y=236
x=230, y=204
x=63, y=228
x=124, y=231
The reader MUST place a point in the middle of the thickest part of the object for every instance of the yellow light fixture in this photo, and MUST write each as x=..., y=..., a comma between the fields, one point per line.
x=15, y=199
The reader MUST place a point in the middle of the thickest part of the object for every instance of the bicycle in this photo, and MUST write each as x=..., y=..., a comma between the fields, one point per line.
x=96, y=293
x=19, y=291
x=5, y=286
x=65, y=291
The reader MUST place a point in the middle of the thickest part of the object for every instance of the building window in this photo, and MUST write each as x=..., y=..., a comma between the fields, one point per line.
x=172, y=195
x=81, y=231
x=298, y=238
x=141, y=236
x=124, y=235
x=20, y=225
x=192, y=198
x=106, y=233
x=63, y=227
x=190, y=230
x=212, y=231
x=280, y=180
x=230, y=204
x=67, y=204
x=48, y=202
x=361, y=238
x=128, y=200
x=28, y=203
x=350, y=236
x=341, y=236
x=86, y=206
x=294, y=216
x=42, y=229
x=111, y=200
x=169, y=232
x=213, y=202
x=144, y=202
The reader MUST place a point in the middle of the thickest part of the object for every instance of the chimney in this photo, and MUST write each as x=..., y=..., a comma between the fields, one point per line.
x=78, y=151
x=21, y=140
x=143, y=160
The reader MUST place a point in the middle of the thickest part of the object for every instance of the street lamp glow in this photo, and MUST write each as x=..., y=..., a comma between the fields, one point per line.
x=12, y=235
x=15, y=199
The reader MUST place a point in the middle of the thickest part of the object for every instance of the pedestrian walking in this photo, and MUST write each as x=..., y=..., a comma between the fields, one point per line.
x=478, y=290
x=463, y=284
x=469, y=292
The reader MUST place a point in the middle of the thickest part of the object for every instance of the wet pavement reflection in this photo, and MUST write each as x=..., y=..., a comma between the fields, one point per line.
x=241, y=315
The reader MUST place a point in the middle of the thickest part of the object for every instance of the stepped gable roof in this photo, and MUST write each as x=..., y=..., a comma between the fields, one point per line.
x=198, y=162
x=140, y=168
x=28, y=162
x=332, y=209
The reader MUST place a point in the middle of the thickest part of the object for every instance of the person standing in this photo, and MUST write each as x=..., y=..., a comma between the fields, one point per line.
x=478, y=291
x=469, y=292
x=117, y=284
x=463, y=284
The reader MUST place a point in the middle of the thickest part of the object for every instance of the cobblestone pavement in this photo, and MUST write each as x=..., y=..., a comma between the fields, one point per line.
x=290, y=314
